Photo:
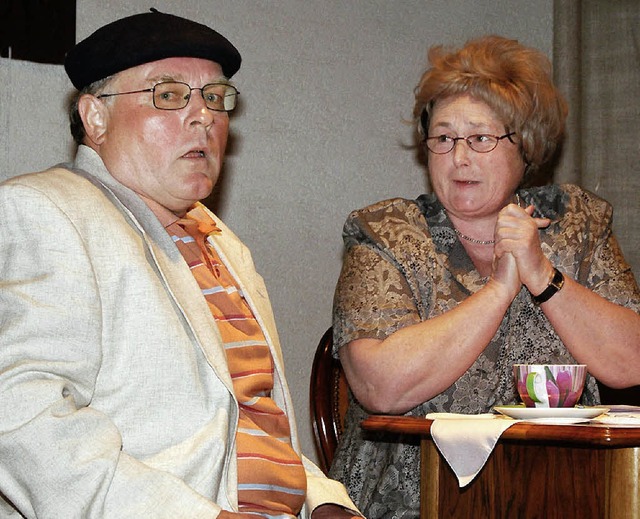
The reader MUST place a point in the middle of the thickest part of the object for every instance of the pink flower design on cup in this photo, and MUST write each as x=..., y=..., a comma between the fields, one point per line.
x=567, y=395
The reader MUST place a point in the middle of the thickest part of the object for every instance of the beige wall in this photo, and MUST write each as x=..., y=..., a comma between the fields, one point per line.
x=325, y=86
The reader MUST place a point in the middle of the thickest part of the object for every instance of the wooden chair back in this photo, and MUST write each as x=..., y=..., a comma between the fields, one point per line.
x=329, y=399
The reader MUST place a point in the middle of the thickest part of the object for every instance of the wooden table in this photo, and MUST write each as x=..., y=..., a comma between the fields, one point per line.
x=535, y=471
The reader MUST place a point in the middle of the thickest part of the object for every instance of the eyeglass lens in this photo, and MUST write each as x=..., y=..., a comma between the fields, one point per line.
x=482, y=143
x=175, y=95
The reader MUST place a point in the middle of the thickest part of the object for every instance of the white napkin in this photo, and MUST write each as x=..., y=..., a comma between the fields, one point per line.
x=620, y=415
x=466, y=441
x=621, y=419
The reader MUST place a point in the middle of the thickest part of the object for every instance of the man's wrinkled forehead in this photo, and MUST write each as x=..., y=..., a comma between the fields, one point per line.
x=173, y=69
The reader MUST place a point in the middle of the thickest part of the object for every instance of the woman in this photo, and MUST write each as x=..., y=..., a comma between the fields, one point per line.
x=440, y=296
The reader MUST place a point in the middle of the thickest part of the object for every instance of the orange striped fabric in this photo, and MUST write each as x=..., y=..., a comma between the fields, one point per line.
x=271, y=478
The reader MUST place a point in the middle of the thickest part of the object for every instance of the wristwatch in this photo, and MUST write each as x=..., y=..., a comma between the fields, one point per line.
x=554, y=286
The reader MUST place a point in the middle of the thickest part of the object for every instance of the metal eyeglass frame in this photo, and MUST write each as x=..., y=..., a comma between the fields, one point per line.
x=234, y=93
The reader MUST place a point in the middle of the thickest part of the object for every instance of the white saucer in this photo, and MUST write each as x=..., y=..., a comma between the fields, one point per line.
x=536, y=413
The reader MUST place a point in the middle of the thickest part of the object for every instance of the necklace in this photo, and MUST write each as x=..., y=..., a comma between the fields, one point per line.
x=481, y=242
x=473, y=240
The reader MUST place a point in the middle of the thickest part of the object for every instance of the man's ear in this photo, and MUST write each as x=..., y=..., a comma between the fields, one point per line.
x=94, y=115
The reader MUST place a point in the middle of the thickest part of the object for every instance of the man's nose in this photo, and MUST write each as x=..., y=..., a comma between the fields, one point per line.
x=198, y=108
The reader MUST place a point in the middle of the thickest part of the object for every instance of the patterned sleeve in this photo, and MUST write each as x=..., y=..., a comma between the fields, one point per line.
x=611, y=276
x=603, y=268
x=372, y=298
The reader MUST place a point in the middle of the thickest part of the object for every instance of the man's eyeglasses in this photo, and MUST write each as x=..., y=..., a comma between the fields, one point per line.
x=481, y=142
x=174, y=95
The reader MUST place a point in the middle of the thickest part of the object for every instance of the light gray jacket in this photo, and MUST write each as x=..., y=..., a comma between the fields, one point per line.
x=115, y=397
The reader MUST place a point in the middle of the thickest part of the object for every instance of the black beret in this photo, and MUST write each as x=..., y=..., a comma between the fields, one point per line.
x=143, y=38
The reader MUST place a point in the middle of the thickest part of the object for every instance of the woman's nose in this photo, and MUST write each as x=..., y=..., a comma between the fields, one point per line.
x=461, y=152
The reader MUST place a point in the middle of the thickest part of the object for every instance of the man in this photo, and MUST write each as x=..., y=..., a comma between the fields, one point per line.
x=140, y=370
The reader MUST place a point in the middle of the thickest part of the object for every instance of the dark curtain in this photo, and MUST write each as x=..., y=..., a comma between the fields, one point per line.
x=597, y=66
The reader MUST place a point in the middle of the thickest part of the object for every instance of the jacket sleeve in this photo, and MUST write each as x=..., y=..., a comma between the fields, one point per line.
x=322, y=490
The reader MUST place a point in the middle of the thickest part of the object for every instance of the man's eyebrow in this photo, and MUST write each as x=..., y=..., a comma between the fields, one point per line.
x=221, y=79
x=165, y=77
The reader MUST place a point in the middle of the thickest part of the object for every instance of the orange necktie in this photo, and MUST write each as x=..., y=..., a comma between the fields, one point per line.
x=199, y=224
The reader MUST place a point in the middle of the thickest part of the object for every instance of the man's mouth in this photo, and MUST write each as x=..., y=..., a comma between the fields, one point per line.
x=198, y=154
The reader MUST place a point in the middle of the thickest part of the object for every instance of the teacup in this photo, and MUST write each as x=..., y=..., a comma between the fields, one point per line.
x=550, y=385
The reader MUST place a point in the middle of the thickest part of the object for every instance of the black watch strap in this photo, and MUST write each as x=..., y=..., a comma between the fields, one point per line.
x=554, y=286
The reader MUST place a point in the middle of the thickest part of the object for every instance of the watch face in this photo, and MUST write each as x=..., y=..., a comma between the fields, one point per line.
x=554, y=285
x=558, y=280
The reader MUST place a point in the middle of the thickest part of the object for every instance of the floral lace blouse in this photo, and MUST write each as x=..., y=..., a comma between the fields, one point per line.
x=405, y=264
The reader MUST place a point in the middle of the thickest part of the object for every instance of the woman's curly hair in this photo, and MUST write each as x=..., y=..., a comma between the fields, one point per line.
x=513, y=80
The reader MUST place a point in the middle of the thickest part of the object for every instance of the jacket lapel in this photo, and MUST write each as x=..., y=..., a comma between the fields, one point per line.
x=237, y=258
x=172, y=270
